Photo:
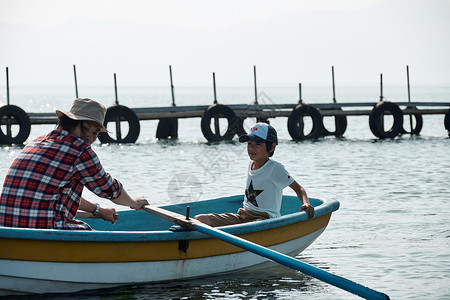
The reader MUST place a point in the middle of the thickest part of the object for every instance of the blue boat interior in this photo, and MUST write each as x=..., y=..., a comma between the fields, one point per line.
x=135, y=225
x=131, y=220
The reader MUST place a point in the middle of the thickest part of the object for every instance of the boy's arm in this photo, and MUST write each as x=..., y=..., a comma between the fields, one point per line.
x=301, y=194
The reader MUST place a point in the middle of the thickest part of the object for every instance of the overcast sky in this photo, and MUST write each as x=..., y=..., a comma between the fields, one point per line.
x=288, y=41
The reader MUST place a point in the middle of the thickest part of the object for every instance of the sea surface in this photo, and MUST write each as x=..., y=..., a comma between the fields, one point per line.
x=391, y=233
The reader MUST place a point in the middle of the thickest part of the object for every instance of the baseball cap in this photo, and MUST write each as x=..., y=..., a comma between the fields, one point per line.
x=85, y=109
x=260, y=133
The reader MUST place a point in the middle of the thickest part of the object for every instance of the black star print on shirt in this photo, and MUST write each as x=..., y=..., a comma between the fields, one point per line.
x=251, y=194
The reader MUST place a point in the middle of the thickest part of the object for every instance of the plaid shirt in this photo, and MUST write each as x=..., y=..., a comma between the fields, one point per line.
x=44, y=184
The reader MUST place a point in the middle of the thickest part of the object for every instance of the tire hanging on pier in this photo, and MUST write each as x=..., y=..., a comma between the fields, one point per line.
x=376, y=119
x=21, y=118
x=419, y=124
x=167, y=128
x=296, y=125
x=340, y=123
x=216, y=112
x=447, y=122
x=116, y=114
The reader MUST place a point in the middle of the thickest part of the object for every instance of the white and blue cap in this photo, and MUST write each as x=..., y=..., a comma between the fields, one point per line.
x=260, y=133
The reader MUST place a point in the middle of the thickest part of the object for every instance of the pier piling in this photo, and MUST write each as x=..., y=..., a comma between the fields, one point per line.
x=75, y=77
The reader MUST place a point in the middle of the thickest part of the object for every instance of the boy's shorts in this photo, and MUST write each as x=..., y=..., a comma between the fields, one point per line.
x=242, y=216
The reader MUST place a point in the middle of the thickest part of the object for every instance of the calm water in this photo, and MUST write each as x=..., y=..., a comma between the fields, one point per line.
x=392, y=232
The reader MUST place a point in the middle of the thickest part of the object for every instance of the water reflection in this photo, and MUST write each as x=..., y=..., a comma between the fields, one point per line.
x=274, y=282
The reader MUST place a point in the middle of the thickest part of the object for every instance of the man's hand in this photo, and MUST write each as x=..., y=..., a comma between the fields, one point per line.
x=108, y=214
x=140, y=202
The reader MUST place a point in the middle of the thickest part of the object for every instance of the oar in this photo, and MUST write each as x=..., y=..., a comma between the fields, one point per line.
x=87, y=215
x=278, y=257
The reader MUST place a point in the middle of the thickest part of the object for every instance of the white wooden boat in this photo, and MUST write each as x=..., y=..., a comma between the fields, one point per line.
x=140, y=248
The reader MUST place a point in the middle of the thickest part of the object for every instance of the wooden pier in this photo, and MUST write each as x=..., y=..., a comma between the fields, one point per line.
x=234, y=115
x=214, y=116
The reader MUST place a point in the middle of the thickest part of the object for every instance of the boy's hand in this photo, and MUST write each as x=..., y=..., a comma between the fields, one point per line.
x=309, y=209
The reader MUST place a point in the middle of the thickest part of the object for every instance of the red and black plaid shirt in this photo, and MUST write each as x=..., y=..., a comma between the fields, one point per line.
x=44, y=184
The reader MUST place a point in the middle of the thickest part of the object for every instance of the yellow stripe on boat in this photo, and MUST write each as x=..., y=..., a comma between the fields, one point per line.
x=87, y=251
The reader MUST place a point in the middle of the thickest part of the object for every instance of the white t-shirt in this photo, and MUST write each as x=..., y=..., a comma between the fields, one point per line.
x=265, y=186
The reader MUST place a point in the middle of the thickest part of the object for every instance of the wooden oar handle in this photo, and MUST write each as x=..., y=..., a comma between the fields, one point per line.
x=172, y=217
x=89, y=215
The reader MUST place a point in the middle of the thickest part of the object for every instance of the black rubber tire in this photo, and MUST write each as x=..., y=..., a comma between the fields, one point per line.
x=419, y=124
x=21, y=118
x=376, y=120
x=296, y=118
x=340, y=123
x=124, y=113
x=216, y=111
x=447, y=122
x=167, y=128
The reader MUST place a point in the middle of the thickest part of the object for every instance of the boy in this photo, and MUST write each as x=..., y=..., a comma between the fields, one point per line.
x=266, y=180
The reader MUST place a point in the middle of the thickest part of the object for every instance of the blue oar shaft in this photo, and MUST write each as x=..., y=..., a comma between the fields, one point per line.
x=280, y=258
x=291, y=262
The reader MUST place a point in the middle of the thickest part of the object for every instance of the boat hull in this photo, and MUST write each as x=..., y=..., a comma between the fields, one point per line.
x=68, y=264
x=54, y=277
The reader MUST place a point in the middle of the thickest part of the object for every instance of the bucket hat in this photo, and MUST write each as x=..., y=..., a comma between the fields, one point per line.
x=85, y=109
x=260, y=133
